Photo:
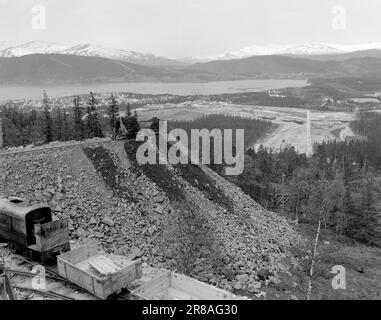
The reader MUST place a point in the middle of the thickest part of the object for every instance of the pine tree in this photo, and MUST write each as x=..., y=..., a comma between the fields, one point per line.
x=89, y=119
x=362, y=214
x=79, y=132
x=94, y=126
x=113, y=110
x=368, y=216
x=59, y=124
x=48, y=130
x=133, y=126
x=155, y=125
x=33, y=116
x=89, y=122
x=65, y=127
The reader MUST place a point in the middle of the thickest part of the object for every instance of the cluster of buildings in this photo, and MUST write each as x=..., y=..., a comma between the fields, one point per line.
x=350, y=104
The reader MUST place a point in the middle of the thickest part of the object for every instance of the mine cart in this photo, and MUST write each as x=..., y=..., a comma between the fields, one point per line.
x=173, y=286
x=100, y=274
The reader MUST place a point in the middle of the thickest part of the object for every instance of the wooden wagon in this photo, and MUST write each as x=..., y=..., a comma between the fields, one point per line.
x=173, y=286
x=101, y=275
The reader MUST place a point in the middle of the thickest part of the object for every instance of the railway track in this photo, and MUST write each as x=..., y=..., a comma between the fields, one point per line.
x=57, y=283
x=48, y=294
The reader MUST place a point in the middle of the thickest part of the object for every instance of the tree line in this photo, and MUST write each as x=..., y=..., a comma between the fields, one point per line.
x=339, y=187
x=254, y=129
x=82, y=120
x=263, y=98
x=364, y=151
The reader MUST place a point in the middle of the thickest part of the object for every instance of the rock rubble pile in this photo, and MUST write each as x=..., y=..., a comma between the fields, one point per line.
x=163, y=217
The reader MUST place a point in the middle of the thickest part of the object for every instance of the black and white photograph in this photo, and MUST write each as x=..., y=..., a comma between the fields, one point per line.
x=213, y=153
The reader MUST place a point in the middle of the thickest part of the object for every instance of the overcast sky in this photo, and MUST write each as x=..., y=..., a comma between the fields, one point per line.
x=181, y=28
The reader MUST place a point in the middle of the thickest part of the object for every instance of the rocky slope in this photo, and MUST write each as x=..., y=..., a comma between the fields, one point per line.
x=184, y=218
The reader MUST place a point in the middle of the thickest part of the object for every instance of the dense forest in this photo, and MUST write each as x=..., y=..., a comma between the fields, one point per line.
x=286, y=99
x=254, y=129
x=340, y=186
x=341, y=194
x=82, y=120
x=364, y=151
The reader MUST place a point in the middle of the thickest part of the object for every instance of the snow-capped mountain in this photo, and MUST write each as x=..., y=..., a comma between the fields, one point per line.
x=14, y=49
x=312, y=49
x=303, y=49
x=300, y=50
x=19, y=49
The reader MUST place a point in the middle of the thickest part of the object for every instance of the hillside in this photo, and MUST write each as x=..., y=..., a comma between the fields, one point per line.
x=262, y=65
x=19, y=49
x=371, y=53
x=294, y=66
x=185, y=217
x=38, y=68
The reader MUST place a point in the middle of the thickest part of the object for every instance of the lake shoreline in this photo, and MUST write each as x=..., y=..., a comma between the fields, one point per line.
x=8, y=93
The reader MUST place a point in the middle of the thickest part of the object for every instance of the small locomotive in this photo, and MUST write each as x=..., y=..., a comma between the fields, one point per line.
x=32, y=231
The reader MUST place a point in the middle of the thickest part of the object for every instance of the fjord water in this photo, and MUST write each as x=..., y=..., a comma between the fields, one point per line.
x=191, y=88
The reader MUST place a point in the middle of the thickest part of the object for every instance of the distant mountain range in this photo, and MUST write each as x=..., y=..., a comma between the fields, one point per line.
x=19, y=49
x=293, y=66
x=322, y=49
x=86, y=63
x=371, y=53
x=54, y=69
x=64, y=68
x=318, y=51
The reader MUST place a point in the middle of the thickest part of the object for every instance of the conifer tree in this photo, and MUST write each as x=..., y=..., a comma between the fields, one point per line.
x=155, y=125
x=79, y=132
x=65, y=127
x=113, y=110
x=59, y=124
x=48, y=127
x=94, y=126
x=367, y=218
x=133, y=126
